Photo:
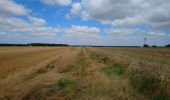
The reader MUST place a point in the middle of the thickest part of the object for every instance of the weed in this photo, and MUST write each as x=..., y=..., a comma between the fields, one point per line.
x=64, y=82
x=67, y=86
x=82, y=65
x=99, y=58
x=114, y=69
x=149, y=85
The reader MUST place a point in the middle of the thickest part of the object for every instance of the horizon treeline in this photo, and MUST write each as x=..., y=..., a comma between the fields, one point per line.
x=53, y=44
x=33, y=44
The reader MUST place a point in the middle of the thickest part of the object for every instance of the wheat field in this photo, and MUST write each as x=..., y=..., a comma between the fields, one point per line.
x=84, y=73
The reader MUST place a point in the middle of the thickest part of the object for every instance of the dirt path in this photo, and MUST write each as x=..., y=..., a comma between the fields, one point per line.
x=96, y=85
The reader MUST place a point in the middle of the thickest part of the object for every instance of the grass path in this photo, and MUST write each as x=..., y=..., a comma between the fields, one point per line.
x=99, y=86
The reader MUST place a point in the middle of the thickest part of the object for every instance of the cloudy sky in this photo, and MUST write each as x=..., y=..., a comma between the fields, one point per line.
x=87, y=22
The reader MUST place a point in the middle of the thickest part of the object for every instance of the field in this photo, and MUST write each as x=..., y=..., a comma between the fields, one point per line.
x=84, y=73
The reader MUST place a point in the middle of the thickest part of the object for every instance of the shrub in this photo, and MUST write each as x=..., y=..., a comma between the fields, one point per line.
x=167, y=45
x=154, y=46
x=145, y=45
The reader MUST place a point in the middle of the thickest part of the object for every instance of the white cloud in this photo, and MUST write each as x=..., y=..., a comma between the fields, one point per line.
x=108, y=10
x=75, y=10
x=11, y=27
x=81, y=30
x=57, y=2
x=124, y=31
x=3, y=35
x=118, y=13
x=154, y=13
x=85, y=16
x=20, y=26
x=9, y=7
x=37, y=21
x=129, y=21
x=81, y=35
x=156, y=34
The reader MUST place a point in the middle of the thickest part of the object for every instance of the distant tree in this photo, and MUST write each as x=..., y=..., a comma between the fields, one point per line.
x=167, y=45
x=46, y=44
x=145, y=45
x=154, y=46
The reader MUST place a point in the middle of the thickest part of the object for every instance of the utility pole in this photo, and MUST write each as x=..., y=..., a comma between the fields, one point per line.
x=145, y=40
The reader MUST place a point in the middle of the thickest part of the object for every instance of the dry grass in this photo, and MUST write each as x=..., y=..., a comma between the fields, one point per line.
x=15, y=59
x=84, y=73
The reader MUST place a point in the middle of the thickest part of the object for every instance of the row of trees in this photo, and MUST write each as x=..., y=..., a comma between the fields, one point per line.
x=48, y=44
x=145, y=45
x=34, y=44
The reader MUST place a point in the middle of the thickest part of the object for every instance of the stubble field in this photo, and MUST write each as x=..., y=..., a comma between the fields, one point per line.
x=84, y=73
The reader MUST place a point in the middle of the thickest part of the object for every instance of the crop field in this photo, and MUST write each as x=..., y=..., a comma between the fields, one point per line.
x=84, y=73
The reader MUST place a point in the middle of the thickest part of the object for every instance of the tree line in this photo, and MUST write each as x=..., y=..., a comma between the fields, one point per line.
x=154, y=46
x=34, y=44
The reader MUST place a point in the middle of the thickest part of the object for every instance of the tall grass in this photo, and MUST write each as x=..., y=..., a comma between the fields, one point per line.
x=149, y=85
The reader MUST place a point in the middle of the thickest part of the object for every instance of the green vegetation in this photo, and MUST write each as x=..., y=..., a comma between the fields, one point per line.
x=99, y=58
x=67, y=86
x=66, y=82
x=82, y=65
x=114, y=69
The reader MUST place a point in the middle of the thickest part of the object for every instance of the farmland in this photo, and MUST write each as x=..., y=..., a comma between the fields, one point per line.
x=84, y=73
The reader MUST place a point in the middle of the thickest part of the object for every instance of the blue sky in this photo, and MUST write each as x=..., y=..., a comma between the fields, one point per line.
x=85, y=22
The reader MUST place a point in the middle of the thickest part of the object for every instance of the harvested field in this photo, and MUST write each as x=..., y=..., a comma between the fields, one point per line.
x=84, y=73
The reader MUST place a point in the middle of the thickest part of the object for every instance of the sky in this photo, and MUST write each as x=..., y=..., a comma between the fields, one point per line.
x=85, y=22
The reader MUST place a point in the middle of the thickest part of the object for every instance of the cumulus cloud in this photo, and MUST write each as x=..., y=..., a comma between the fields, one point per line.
x=10, y=25
x=156, y=34
x=81, y=30
x=106, y=10
x=129, y=21
x=3, y=35
x=75, y=10
x=81, y=35
x=37, y=21
x=124, y=31
x=10, y=8
x=57, y=2
x=119, y=13
x=155, y=13
x=85, y=16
